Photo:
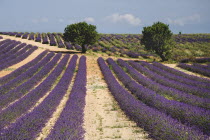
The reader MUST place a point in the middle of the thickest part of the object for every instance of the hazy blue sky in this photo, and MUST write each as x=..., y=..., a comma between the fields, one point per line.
x=110, y=16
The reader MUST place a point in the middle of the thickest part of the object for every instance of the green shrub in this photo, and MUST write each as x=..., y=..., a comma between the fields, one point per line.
x=158, y=38
x=82, y=34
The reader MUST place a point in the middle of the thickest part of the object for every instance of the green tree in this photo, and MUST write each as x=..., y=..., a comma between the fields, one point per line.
x=158, y=38
x=82, y=34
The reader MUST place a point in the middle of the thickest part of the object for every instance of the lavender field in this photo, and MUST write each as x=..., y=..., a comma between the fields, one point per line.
x=167, y=103
x=105, y=70
x=126, y=45
x=48, y=74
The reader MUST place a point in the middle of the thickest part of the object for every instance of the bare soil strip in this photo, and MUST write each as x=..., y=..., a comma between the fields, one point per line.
x=103, y=117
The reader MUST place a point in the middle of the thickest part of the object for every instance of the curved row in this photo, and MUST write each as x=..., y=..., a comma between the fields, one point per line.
x=22, y=69
x=198, y=85
x=180, y=73
x=159, y=124
x=196, y=69
x=24, y=76
x=11, y=52
x=15, y=55
x=29, y=100
x=69, y=124
x=21, y=90
x=19, y=56
x=187, y=114
x=170, y=83
x=3, y=42
x=202, y=66
x=8, y=46
x=35, y=120
x=164, y=90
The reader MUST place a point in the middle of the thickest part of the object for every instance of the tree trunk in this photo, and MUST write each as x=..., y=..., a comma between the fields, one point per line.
x=84, y=49
x=163, y=57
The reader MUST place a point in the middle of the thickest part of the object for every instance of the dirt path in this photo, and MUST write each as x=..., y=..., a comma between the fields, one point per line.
x=103, y=117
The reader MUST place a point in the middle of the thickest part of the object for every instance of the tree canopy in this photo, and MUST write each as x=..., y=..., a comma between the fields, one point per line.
x=82, y=34
x=158, y=38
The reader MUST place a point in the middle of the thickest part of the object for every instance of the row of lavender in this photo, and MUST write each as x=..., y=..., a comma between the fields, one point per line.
x=181, y=111
x=148, y=79
x=178, y=38
x=196, y=60
x=117, y=48
x=197, y=68
x=21, y=96
x=149, y=110
x=53, y=39
x=70, y=122
x=121, y=45
x=12, y=52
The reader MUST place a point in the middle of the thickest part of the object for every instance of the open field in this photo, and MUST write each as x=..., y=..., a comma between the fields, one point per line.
x=126, y=45
x=52, y=91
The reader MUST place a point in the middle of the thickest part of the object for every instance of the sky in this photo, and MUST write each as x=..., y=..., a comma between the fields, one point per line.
x=109, y=16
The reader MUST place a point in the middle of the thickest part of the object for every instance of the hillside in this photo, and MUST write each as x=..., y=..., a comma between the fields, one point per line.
x=127, y=45
x=55, y=92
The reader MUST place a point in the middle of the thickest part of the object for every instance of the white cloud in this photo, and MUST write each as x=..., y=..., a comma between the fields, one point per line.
x=40, y=20
x=128, y=18
x=89, y=19
x=184, y=20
